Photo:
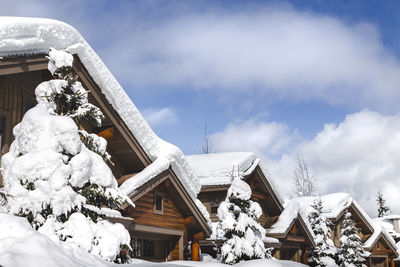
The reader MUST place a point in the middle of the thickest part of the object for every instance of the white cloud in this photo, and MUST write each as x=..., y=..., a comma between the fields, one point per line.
x=160, y=117
x=264, y=138
x=278, y=51
x=297, y=55
x=360, y=156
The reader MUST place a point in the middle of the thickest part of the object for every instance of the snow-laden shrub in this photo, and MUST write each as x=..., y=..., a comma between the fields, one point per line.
x=54, y=178
x=324, y=252
x=352, y=253
x=238, y=220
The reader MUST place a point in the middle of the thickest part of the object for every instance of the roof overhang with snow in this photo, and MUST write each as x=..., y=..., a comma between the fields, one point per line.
x=334, y=207
x=215, y=172
x=24, y=41
x=284, y=232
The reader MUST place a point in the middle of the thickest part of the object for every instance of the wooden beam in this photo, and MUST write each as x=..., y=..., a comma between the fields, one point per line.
x=147, y=187
x=107, y=134
x=214, y=188
x=198, y=236
x=189, y=221
x=16, y=65
x=296, y=238
x=258, y=195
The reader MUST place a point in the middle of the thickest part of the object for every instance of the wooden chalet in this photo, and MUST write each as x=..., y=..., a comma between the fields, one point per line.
x=214, y=172
x=294, y=235
x=166, y=216
x=376, y=240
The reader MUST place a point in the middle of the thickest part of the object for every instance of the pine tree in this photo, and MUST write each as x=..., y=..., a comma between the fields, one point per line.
x=238, y=217
x=56, y=175
x=324, y=252
x=352, y=253
x=383, y=210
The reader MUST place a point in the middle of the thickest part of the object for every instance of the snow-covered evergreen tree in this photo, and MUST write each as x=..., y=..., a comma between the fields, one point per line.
x=324, y=252
x=56, y=175
x=383, y=210
x=352, y=253
x=238, y=217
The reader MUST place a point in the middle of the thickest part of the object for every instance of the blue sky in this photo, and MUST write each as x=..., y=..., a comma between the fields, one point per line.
x=319, y=78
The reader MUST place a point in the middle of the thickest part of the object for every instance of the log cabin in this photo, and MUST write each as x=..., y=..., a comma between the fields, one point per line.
x=391, y=225
x=376, y=240
x=214, y=172
x=151, y=171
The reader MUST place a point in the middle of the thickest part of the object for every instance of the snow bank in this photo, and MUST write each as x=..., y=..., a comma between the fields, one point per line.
x=22, y=246
x=250, y=263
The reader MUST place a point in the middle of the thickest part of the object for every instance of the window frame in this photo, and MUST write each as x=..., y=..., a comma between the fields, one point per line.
x=5, y=140
x=158, y=194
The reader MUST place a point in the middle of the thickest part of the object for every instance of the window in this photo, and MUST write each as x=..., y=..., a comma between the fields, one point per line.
x=148, y=248
x=158, y=203
x=378, y=246
x=142, y=248
x=2, y=130
x=214, y=209
x=136, y=244
x=4, y=133
x=214, y=206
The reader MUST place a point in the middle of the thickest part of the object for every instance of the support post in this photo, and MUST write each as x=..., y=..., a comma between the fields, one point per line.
x=195, y=251
x=304, y=260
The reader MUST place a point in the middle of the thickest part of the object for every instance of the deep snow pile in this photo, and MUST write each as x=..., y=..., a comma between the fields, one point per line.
x=238, y=220
x=21, y=246
x=52, y=178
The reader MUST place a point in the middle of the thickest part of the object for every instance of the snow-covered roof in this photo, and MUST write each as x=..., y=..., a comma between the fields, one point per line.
x=216, y=168
x=387, y=223
x=378, y=232
x=292, y=211
x=30, y=36
x=288, y=216
x=333, y=206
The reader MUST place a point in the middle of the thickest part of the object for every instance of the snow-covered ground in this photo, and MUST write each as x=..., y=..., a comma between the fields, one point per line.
x=21, y=246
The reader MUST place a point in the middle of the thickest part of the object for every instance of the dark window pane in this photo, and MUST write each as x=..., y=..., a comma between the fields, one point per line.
x=2, y=130
x=148, y=248
x=214, y=210
x=137, y=247
x=159, y=200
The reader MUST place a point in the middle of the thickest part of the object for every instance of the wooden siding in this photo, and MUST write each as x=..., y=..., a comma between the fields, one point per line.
x=144, y=212
x=171, y=218
x=380, y=249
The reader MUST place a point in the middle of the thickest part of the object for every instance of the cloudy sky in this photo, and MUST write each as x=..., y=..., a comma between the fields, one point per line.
x=319, y=78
